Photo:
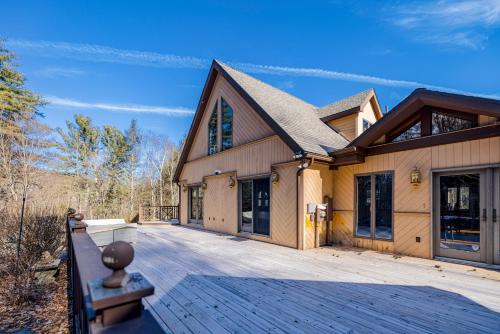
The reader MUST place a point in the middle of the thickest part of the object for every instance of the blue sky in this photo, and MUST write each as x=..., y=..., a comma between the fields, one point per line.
x=147, y=60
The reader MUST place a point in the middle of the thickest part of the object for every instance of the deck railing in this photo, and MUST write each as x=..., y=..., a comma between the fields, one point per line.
x=159, y=212
x=94, y=308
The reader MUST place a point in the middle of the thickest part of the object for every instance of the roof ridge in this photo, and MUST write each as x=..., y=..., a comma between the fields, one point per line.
x=265, y=83
x=346, y=98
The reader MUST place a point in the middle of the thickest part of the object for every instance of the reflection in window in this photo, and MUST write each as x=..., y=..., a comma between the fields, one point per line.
x=442, y=123
x=366, y=125
x=381, y=226
x=383, y=206
x=212, y=132
x=459, y=212
x=363, y=226
x=413, y=132
x=246, y=206
x=227, y=125
x=196, y=203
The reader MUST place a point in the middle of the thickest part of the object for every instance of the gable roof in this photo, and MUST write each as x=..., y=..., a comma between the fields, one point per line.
x=294, y=116
x=424, y=97
x=349, y=105
x=294, y=120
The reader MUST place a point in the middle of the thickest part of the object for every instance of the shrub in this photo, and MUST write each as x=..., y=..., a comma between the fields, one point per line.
x=43, y=233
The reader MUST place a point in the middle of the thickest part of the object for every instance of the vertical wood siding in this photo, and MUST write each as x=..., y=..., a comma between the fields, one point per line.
x=247, y=125
x=412, y=205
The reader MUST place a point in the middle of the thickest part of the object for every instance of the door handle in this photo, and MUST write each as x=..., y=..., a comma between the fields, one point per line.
x=494, y=218
x=484, y=214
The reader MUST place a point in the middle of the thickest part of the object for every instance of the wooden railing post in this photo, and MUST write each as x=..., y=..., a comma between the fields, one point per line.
x=97, y=305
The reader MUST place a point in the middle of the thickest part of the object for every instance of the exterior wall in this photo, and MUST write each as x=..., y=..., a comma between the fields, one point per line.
x=220, y=203
x=412, y=205
x=352, y=126
x=368, y=114
x=250, y=159
x=486, y=120
x=316, y=183
x=247, y=125
x=346, y=125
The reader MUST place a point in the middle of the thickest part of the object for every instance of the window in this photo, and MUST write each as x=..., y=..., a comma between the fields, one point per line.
x=212, y=132
x=195, y=204
x=442, y=123
x=413, y=132
x=366, y=125
x=255, y=200
x=227, y=125
x=374, y=206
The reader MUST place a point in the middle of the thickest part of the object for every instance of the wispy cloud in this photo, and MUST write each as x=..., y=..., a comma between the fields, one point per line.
x=462, y=23
x=54, y=72
x=106, y=54
x=100, y=53
x=131, y=108
x=344, y=76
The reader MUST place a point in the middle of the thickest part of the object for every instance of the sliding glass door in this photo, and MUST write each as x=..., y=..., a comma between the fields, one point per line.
x=255, y=198
x=465, y=214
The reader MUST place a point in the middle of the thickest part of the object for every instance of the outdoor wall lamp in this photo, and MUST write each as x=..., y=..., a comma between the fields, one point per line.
x=203, y=185
x=415, y=177
x=184, y=187
x=275, y=177
x=232, y=182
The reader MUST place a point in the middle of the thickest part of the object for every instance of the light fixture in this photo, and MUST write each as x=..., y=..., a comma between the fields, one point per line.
x=203, y=185
x=232, y=182
x=184, y=188
x=415, y=177
x=275, y=177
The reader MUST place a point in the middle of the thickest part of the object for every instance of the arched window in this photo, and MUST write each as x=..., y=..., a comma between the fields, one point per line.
x=227, y=125
x=212, y=132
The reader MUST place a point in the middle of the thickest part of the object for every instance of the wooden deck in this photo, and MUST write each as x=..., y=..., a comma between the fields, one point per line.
x=213, y=283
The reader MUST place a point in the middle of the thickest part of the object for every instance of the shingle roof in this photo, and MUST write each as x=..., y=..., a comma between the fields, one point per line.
x=296, y=117
x=349, y=103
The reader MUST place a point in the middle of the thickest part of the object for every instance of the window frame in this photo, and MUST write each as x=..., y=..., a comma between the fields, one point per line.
x=372, y=206
x=364, y=120
x=222, y=148
x=252, y=179
x=197, y=221
x=215, y=111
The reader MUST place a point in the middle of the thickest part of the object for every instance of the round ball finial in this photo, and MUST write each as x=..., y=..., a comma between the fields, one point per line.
x=117, y=256
x=78, y=216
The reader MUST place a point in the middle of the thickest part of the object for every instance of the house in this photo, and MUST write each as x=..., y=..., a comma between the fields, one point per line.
x=421, y=180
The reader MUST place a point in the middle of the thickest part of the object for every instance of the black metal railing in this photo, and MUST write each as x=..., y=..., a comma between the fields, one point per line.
x=159, y=212
x=95, y=308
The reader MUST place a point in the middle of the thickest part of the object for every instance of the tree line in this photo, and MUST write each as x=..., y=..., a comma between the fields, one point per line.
x=102, y=171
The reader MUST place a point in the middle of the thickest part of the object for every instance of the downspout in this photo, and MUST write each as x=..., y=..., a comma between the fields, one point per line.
x=299, y=172
x=179, y=202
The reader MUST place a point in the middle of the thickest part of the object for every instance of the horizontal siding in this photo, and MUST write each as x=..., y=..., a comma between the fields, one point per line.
x=346, y=125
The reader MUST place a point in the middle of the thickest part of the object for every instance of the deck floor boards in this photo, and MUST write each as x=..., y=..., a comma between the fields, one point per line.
x=214, y=283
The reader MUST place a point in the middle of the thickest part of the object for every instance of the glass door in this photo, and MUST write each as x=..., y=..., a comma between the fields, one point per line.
x=261, y=200
x=495, y=218
x=459, y=215
x=255, y=200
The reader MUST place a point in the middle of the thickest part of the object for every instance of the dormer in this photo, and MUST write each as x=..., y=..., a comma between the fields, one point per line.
x=353, y=115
